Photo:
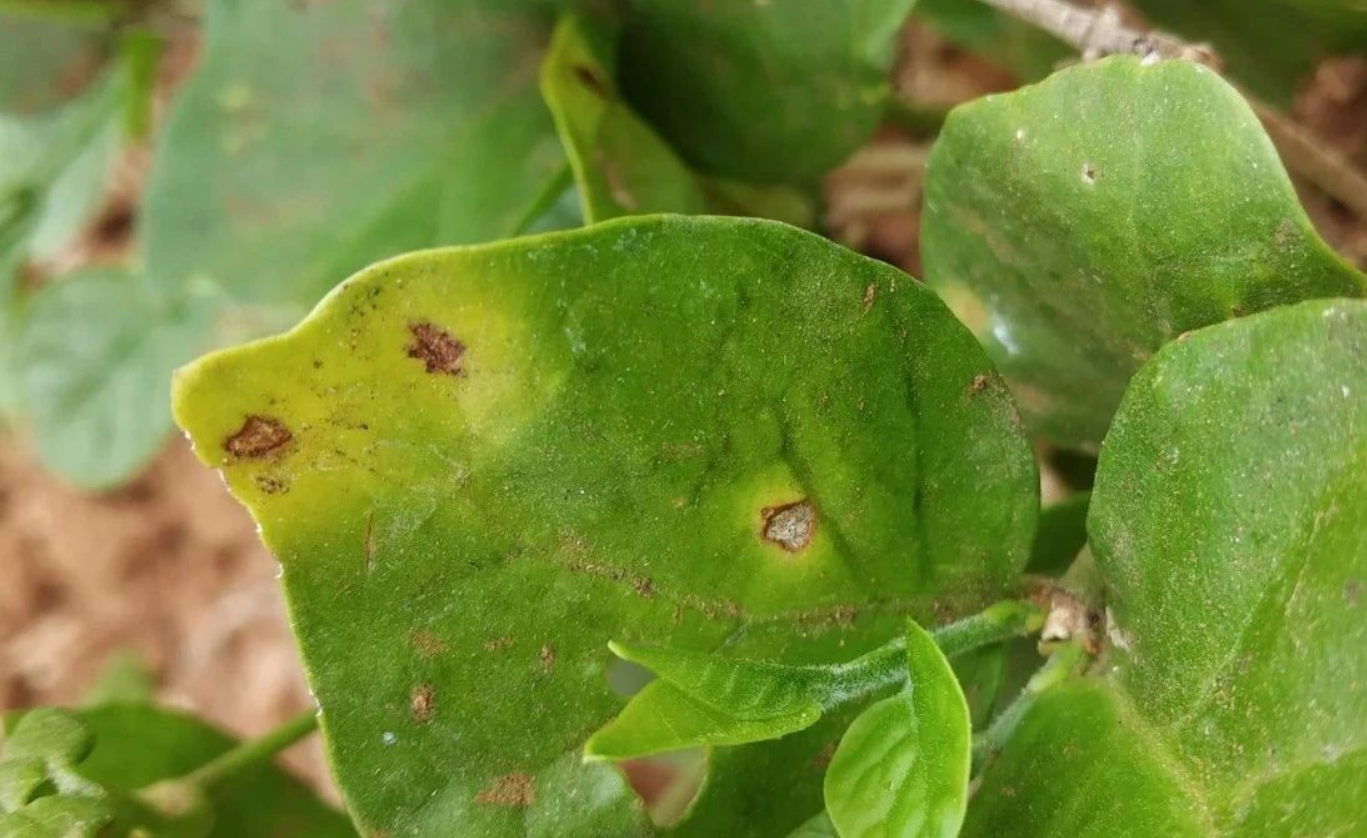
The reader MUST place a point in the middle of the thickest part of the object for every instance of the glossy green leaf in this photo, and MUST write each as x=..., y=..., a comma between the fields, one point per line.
x=1227, y=522
x=478, y=465
x=93, y=355
x=773, y=91
x=376, y=132
x=621, y=165
x=901, y=770
x=1079, y=224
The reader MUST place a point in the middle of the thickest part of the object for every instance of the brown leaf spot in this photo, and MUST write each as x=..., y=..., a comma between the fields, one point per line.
x=643, y=586
x=497, y=644
x=271, y=484
x=790, y=526
x=1352, y=592
x=869, y=294
x=439, y=352
x=509, y=790
x=425, y=643
x=547, y=658
x=589, y=77
x=423, y=703
x=259, y=436
x=979, y=384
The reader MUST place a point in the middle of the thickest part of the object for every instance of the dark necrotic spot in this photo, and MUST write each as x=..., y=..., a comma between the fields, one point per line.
x=259, y=436
x=588, y=76
x=439, y=352
x=790, y=526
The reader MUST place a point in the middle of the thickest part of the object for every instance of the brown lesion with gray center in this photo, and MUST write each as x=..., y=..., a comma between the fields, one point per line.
x=440, y=353
x=259, y=436
x=791, y=525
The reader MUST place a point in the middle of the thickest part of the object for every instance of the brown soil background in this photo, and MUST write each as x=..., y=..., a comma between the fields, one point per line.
x=170, y=567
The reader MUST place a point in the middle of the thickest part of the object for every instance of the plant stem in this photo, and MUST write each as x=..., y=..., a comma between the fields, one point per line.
x=887, y=665
x=1067, y=661
x=229, y=764
x=1099, y=32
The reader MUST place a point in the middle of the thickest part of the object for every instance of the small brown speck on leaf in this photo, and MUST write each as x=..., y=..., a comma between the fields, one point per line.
x=643, y=586
x=869, y=294
x=497, y=644
x=509, y=790
x=423, y=703
x=425, y=643
x=1352, y=592
x=547, y=658
x=259, y=436
x=439, y=352
x=979, y=384
x=790, y=526
x=588, y=76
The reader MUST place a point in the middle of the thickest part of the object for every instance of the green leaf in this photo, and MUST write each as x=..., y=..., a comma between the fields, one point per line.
x=124, y=679
x=93, y=356
x=818, y=827
x=1061, y=536
x=41, y=795
x=478, y=465
x=42, y=59
x=1078, y=225
x=762, y=91
x=1271, y=50
x=704, y=699
x=281, y=170
x=621, y=165
x=902, y=768
x=137, y=746
x=1226, y=519
x=1004, y=39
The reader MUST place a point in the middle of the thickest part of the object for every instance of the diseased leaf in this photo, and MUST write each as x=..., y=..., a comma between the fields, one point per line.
x=775, y=92
x=93, y=355
x=621, y=165
x=1226, y=520
x=478, y=465
x=901, y=770
x=1077, y=225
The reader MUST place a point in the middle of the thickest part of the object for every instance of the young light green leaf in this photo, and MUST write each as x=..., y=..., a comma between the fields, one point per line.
x=662, y=717
x=705, y=699
x=1078, y=225
x=504, y=469
x=901, y=770
x=774, y=92
x=41, y=795
x=621, y=165
x=93, y=356
x=1226, y=520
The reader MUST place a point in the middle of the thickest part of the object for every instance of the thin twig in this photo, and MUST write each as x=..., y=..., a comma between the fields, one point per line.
x=1099, y=32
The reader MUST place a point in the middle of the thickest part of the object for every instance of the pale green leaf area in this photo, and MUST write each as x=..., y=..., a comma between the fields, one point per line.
x=1079, y=224
x=901, y=770
x=93, y=354
x=1273, y=49
x=1226, y=521
x=621, y=165
x=478, y=465
x=44, y=62
x=780, y=91
x=41, y=795
x=377, y=132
